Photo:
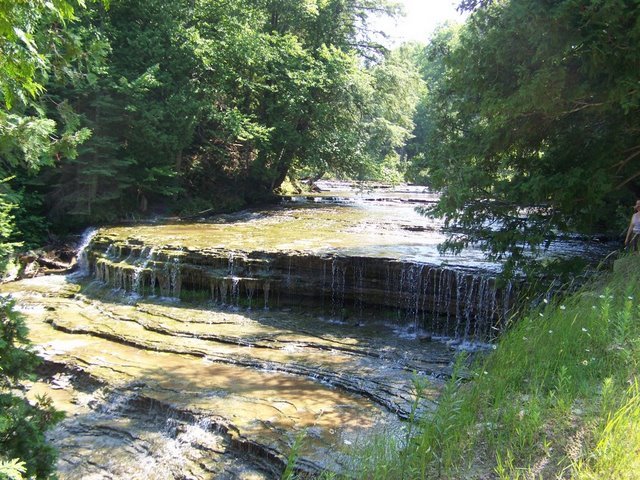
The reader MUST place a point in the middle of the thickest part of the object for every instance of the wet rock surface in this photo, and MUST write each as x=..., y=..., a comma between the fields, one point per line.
x=350, y=259
x=159, y=389
x=204, y=349
x=350, y=252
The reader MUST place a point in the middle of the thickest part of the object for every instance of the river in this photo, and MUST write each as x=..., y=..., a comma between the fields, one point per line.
x=204, y=349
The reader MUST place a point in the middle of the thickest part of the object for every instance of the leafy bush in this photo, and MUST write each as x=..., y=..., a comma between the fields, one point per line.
x=23, y=448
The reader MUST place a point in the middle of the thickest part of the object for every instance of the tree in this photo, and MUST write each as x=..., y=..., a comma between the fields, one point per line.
x=140, y=106
x=34, y=46
x=210, y=104
x=22, y=424
x=289, y=93
x=533, y=122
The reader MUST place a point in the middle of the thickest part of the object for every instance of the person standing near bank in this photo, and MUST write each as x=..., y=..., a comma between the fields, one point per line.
x=633, y=233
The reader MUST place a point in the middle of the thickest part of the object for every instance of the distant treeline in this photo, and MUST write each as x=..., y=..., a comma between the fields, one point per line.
x=134, y=107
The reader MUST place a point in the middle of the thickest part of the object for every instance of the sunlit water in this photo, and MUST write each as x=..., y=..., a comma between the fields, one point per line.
x=203, y=349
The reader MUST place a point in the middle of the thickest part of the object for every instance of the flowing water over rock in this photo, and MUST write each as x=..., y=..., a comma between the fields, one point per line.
x=204, y=349
x=228, y=389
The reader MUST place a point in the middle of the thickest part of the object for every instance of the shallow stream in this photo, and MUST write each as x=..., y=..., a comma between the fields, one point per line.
x=203, y=349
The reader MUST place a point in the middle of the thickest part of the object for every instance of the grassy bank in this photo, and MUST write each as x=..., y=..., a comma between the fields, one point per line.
x=558, y=398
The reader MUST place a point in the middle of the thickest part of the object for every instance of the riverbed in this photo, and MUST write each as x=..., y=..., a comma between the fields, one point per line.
x=208, y=348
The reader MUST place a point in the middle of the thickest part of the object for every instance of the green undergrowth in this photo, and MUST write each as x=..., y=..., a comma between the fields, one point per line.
x=558, y=398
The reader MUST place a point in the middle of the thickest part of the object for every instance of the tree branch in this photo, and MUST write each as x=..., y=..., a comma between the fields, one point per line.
x=635, y=175
x=622, y=163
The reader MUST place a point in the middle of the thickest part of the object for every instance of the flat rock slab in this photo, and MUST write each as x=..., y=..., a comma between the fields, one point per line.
x=253, y=380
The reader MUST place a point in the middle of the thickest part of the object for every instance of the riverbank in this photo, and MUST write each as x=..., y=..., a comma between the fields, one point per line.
x=559, y=398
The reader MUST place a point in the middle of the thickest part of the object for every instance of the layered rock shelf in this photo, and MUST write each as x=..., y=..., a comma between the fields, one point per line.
x=207, y=349
x=445, y=301
x=155, y=389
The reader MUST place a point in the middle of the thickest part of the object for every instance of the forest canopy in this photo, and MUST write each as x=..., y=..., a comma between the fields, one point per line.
x=530, y=124
x=139, y=107
x=524, y=118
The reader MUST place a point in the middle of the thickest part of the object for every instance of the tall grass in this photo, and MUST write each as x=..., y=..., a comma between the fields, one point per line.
x=558, y=398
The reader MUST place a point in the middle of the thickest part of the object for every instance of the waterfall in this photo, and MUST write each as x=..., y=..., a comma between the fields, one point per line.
x=338, y=284
x=410, y=290
x=146, y=255
x=235, y=291
x=265, y=288
x=82, y=257
x=358, y=282
x=442, y=300
x=231, y=263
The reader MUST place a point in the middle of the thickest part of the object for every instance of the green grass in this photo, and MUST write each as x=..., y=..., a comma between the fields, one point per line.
x=558, y=398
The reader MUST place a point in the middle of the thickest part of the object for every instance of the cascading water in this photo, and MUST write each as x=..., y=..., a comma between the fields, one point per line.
x=146, y=256
x=443, y=301
x=257, y=376
x=82, y=258
x=338, y=284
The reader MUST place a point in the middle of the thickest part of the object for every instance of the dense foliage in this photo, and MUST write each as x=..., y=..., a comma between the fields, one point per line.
x=530, y=125
x=34, y=47
x=165, y=107
x=22, y=424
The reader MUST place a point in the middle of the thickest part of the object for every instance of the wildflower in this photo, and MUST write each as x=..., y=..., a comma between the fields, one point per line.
x=562, y=307
x=332, y=431
x=550, y=331
x=545, y=300
x=601, y=296
x=486, y=373
x=585, y=362
x=630, y=297
x=584, y=329
x=593, y=307
x=525, y=338
x=541, y=314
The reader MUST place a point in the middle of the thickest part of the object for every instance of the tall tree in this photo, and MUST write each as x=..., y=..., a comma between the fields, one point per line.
x=216, y=101
x=140, y=106
x=34, y=46
x=533, y=126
